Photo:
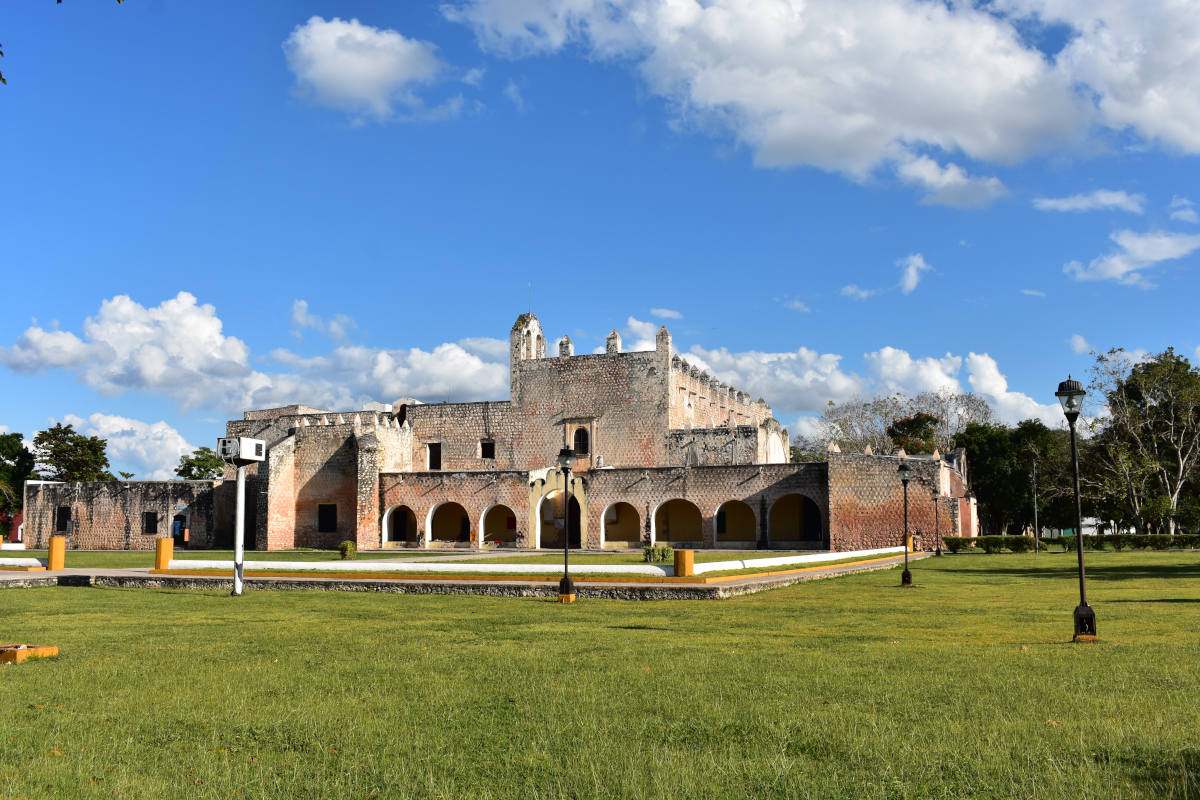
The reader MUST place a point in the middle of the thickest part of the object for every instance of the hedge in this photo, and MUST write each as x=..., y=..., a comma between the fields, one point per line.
x=1115, y=541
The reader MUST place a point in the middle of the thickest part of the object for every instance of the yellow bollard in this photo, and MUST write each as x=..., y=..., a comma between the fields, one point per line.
x=684, y=563
x=908, y=540
x=164, y=550
x=58, y=553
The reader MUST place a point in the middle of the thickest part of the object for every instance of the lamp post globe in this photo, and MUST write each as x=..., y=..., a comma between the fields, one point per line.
x=566, y=586
x=1070, y=394
x=906, y=576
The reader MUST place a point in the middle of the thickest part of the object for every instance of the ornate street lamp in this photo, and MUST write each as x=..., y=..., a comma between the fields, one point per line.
x=1070, y=394
x=906, y=576
x=566, y=587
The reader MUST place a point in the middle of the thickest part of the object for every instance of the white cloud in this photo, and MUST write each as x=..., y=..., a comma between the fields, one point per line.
x=336, y=328
x=912, y=266
x=949, y=185
x=638, y=335
x=1079, y=344
x=151, y=450
x=857, y=292
x=3, y=429
x=849, y=85
x=894, y=370
x=474, y=77
x=177, y=350
x=1138, y=252
x=1183, y=210
x=358, y=68
x=513, y=93
x=666, y=313
x=805, y=381
x=1099, y=199
x=1033, y=292
x=986, y=379
x=796, y=305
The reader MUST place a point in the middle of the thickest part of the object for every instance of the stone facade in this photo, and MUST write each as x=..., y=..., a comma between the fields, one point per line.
x=664, y=453
x=120, y=515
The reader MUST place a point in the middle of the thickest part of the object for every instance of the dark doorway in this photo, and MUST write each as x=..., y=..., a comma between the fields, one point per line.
x=178, y=526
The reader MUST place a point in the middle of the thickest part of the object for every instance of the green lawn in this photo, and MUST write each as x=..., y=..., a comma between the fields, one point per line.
x=965, y=686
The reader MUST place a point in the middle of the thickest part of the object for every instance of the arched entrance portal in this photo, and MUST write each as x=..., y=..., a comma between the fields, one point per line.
x=550, y=521
x=735, y=525
x=450, y=523
x=796, y=519
x=677, y=521
x=401, y=526
x=622, y=526
x=499, y=526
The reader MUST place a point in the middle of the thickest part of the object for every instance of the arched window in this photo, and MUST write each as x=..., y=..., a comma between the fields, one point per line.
x=581, y=441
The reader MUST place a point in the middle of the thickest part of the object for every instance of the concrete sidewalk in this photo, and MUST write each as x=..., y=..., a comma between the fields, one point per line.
x=628, y=589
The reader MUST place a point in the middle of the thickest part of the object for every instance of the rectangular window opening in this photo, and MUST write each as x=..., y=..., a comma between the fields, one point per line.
x=327, y=518
x=435, y=455
x=487, y=449
x=150, y=523
x=62, y=519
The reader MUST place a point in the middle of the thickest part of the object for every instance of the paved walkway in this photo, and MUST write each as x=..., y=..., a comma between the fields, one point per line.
x=628, y=589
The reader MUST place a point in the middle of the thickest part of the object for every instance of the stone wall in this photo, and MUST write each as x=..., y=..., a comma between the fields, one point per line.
x=477, y=492
x=109, y=515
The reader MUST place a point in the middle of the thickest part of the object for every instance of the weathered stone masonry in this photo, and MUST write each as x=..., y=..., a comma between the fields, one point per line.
x=664, y=452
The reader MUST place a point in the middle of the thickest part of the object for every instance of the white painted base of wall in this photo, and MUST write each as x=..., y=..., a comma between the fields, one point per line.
x=12, y=545
x=22, y=562
x=779, y=561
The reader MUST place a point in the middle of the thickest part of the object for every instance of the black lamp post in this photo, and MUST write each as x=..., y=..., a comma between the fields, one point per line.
x=906, y=576
x=1070, y=394
x=566, y=586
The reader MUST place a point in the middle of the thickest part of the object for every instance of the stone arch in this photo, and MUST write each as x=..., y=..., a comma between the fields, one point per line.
x=735, y=522
x=399, y=526
x=678, y=521
x=795, y=518
x=449, y=523
x=620, y=526
x=549, y=508
x=499, y=524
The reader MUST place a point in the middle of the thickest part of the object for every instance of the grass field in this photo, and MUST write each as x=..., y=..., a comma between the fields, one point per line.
x=965, y=686
x=129, y=559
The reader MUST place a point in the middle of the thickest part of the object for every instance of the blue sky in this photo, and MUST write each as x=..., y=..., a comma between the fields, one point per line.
x=210, y=206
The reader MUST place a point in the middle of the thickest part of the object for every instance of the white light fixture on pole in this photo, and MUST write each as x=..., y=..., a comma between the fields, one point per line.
x=239, y=452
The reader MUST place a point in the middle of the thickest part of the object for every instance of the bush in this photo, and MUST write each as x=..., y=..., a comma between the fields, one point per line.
x=1068, y=542
x=991, y=544
x=348, y=550
x=1159, y=541
x=661, y=553
x=1094, y=542
x=1019, y=544
x=1188, y=541
x=956, y=544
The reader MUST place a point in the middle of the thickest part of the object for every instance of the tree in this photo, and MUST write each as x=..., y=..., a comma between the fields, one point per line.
x=1152, y=435
x=202, y=465
x=857, y=424
x=64, y=455
x=914, y=433
x=994, y=465
x=16, y=467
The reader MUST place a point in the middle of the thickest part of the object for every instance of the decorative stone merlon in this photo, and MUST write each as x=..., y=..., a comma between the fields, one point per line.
x=566, y=348
x=612, y=345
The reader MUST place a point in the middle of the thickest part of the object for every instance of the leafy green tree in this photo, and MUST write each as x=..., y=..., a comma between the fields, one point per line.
x=201, y=465
x=914, y=433
x=1152, y=431
x=995, y=472
x=16, y=467
x=64, y=455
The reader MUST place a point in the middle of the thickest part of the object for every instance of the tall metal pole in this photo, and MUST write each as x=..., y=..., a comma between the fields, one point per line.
x=239, y=535
x=906, y=576
x=566, y=519
x=1036, y=529
x=1085, y=618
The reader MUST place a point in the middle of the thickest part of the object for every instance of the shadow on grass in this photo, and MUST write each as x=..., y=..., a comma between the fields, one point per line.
x=637, y=628
x=1168, y=773
x=1160, y=600
x=1103, y=572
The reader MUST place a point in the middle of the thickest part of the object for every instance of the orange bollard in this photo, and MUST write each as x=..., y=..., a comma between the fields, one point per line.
x=685, y=561
x=164, y=550
x=57, y=557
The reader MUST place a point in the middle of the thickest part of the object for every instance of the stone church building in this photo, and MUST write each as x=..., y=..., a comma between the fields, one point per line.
x=665, y=453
